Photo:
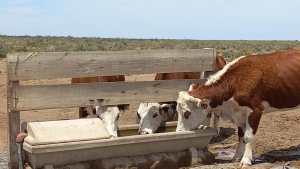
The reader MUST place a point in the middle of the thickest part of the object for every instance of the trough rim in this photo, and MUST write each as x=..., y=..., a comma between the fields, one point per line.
x=118, y=141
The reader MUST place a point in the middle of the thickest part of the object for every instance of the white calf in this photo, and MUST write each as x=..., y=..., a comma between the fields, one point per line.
x=192, y=114
x=152, y=115
x=108, y=114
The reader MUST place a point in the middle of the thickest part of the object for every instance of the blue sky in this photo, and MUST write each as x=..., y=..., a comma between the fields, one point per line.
x=174, y=19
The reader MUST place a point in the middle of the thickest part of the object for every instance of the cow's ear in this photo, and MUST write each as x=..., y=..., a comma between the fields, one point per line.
x=220, y=62
x=193, y=87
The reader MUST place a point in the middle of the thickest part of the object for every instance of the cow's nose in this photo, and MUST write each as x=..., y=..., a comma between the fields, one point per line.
x=143, y=132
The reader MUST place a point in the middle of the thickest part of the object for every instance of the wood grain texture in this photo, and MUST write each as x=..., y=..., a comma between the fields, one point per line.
x=51, y=65
x=112, y=93
x=13, y=124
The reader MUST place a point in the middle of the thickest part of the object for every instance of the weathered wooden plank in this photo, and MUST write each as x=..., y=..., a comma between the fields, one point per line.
x=112, y=93
x=47, y=65
x=13, y=125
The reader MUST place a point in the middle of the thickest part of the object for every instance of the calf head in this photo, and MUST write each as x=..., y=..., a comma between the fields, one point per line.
x=110, y=116
x=192, y=112
x=152, y=115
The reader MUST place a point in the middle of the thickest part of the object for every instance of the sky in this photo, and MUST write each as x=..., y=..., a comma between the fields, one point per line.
x=167, y=19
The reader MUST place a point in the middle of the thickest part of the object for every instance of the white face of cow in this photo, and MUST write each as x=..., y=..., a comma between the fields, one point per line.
x=150, y=117
x=110, y=116
x=192, y=112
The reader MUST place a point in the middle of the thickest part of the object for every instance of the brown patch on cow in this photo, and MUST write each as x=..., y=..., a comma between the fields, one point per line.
x=253, y=120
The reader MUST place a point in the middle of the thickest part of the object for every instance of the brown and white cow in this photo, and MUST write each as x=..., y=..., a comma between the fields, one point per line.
x=152, y=115
x=255, y=84
x=108, y=114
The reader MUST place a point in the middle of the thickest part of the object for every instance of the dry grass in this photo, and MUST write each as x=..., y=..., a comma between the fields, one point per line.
x=228, y=48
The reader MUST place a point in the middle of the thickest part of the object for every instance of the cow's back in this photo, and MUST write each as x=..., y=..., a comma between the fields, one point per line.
x=274, y=77
x=282, y=81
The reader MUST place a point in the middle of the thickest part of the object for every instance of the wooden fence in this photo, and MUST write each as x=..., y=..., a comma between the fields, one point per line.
x=54, y=65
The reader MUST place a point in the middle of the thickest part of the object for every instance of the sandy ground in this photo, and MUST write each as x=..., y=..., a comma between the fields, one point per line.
x=278, y=134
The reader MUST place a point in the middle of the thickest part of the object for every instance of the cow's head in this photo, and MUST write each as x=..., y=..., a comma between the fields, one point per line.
x=152, y=115
x=192, y=112
x=110, y=116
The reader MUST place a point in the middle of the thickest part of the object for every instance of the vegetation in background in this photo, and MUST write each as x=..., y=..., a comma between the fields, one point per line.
x=229, y=49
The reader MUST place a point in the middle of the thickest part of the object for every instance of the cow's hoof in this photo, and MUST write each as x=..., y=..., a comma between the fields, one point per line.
x=245, y=163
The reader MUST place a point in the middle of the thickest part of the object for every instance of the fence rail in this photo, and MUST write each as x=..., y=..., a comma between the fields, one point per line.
x=47, y=65
x=55, y=65
x=111, y=93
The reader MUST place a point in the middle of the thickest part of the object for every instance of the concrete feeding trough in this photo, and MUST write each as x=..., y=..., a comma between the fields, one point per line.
x=72, y=141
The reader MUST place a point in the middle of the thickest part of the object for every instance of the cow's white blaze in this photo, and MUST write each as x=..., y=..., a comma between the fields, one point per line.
x=215, y=77
x=150, y=119
x=153, y=115
x=197, y=116
x=109, y=115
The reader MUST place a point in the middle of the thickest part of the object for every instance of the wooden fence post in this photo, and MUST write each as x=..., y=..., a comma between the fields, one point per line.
x=14, y=124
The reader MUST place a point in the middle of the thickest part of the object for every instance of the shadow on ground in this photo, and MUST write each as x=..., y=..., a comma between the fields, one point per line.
x=287, y=154
x=224, y=134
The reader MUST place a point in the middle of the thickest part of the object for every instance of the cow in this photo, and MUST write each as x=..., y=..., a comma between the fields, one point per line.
x=253, y=84
x=108, y=114
x=153, y=115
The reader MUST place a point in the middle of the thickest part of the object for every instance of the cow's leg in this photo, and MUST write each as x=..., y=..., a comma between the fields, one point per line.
x=216, y=120
x=250, y=130
x=241, y=145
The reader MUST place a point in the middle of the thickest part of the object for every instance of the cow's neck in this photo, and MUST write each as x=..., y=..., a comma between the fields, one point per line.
x=218, y=93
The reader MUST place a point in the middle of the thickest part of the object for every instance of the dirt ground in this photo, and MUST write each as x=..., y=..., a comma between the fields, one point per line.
x=278, y=135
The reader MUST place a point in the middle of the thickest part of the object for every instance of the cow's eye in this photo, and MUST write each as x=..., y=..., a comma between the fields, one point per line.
x=155, y=115
x=187, y=114
x=165, y=109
